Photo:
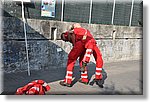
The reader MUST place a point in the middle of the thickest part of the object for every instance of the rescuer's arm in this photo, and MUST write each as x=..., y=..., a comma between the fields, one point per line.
x=71, y=38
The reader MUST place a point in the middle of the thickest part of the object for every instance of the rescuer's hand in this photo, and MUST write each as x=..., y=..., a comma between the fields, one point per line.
x=83, y=68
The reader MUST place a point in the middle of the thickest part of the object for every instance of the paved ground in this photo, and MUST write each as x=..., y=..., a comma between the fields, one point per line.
x=123, y=78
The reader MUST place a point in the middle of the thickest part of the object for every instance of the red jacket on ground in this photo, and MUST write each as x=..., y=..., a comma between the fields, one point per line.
x=37, y=87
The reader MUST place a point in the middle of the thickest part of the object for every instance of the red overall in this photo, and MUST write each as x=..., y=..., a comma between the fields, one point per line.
x=79, y=49
x=91, y=47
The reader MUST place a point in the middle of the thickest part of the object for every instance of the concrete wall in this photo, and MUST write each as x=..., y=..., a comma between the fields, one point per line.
x=47, y=53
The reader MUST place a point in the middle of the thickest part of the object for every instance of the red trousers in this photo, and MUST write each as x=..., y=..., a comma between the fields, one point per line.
x=91, y=48
x=99, y=62
x=79, y=50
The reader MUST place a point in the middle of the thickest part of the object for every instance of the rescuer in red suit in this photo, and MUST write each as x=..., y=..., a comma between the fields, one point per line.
x=78, y=50
x=86, y=47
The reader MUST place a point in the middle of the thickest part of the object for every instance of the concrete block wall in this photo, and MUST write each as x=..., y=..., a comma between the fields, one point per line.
x=45, y=53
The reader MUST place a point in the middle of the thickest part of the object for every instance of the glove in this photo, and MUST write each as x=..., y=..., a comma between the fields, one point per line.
x=83, y=68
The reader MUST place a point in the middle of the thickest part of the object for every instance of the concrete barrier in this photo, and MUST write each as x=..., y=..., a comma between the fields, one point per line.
x=116, y=43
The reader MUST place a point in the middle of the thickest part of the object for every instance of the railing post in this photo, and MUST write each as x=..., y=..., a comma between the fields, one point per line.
x=62, y=10
x=24, y=26
x=113, y=13
x=90, y=12
x=131, y=12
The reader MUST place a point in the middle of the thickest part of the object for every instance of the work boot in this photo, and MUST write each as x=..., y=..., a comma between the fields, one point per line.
x=80, y=80
x=99, y=82
x=64, y=84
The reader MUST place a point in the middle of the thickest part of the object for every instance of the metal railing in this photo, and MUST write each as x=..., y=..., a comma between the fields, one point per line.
x=110, y=12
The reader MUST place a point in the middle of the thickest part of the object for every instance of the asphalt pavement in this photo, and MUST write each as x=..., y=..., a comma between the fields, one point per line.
x=124, y=78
